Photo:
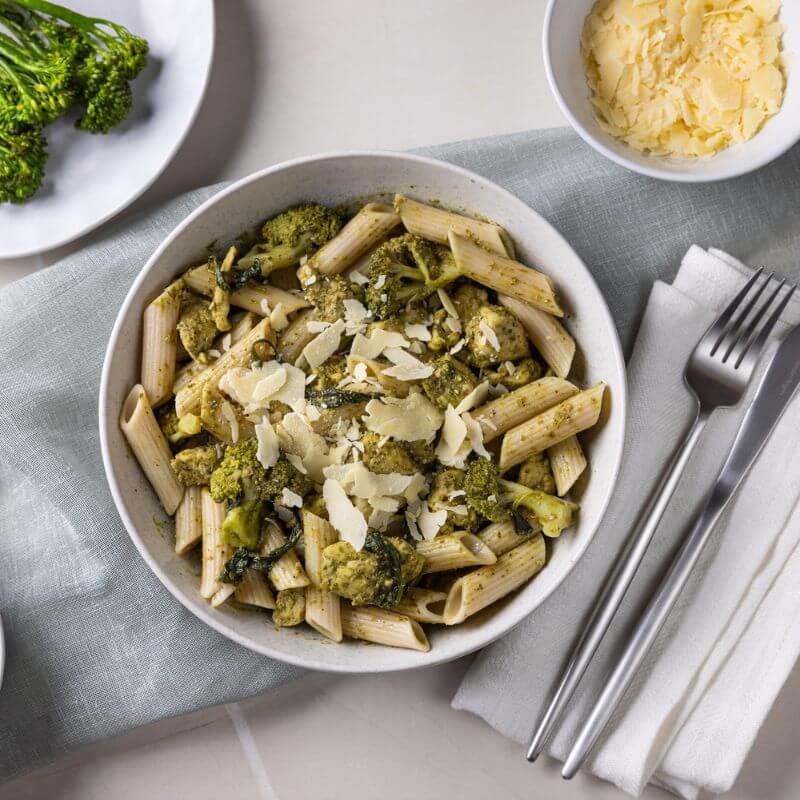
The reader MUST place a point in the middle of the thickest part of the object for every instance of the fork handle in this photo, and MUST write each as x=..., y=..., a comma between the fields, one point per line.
x=648, y=627
x=615, y=588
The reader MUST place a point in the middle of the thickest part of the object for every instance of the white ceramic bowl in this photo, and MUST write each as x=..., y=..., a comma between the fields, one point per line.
x=333, y=179
x=564, y=67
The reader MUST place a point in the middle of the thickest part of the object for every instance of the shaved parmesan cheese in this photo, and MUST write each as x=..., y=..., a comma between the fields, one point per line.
x=447, y=304
x=268, y=386
x=226, y=342
x=343, y=515
x=214, y=353
x=450, y=449
x=430, y=522
x=489, y=335
x=268, y=446
x=418, y=331
x=278, y=319
x=256, y=387
x=475, y=434
x=453, y=324
x=317, y=325
x=323, y=346
x=355, y=316
x=475, y=398
x=297, y=438
x=264, y=306
x=291, y=499
x=377, y=342
x=229, y=415
x=296, y=462
x=458, y=347
x=358, y=278
x=360, y=371
x=408, y=419
x=407, y=368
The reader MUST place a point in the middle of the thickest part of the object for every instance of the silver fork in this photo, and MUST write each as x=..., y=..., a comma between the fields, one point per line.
x=717, y=373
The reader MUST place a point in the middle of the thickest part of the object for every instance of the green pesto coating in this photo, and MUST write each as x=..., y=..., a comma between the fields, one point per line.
x=443, y=337
x=509, y=331
x=468, y=299
x=195, y=465
x=331, y=373
x=535, y=473
x=196, y=327
x=290, y=608
x=483, y=490
x=328, y=296
x=523, y=372
x=450, y=382
x=446, y=481
x=392, y=456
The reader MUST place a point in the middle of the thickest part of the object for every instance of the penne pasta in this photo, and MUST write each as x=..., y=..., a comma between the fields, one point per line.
x=383, y=627
x=480, y=588
x=250, y=297
x=360, y=234
x=546, y=333
x=254, y=590
x=141, y=429
x=504, y=412
x=422, y=605
x=287, y=572
x=504, y=275
x=567, y=462
x=159, y=343
x=189, y=398
x=435, y=224
x=296, y=337
x=223, y=418
x=571, y=416
x=323, y=608
x=454, y=551
x=215, y=553
x=188, y=521
x=500, y=537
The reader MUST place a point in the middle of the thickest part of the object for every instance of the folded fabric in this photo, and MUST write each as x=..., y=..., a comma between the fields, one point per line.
x=699, y=700
x=96, y=646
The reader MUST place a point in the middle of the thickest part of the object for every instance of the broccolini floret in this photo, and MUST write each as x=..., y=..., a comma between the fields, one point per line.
x=327, y=295
x=495, y=335
x=496, y=499
x=23, y=155
x=289, y=236
x=388, y=456
x=404, y=269
x=195, y=465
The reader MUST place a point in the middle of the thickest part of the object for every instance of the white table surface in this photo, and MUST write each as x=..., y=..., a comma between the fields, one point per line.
x=293, y=77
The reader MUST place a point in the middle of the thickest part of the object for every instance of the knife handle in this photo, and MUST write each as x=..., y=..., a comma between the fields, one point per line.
x=646, y=630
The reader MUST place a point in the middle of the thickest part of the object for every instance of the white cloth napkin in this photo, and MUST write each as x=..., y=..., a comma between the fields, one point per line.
x=696, y=706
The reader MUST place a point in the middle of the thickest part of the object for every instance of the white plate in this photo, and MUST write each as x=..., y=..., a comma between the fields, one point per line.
x=92, y=177
x=333, y=179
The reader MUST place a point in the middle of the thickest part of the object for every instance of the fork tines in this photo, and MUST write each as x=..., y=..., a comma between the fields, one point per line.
x=745, y=321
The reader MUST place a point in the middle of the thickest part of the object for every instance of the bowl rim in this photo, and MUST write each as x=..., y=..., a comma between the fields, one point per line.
x=712, y=176
x=105, y=414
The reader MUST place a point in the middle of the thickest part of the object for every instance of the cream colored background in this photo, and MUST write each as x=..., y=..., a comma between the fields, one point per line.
x=293, y=77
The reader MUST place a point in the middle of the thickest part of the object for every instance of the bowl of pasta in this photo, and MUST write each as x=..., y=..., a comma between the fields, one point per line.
x=384, y=409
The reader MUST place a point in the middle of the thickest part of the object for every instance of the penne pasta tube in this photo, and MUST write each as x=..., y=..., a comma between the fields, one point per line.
x=296, y=337
x=159, y=343
x=186, y=374
x=571, y=416
x=188, y=521
x=453, y=551
x=567, y=462
x=360, y=234
x=287, y=572
x=422, y=605
x=141, y=429
x=500, y=537
x=250, y=297
x=222, y=418
x=504, y=412
x=254, y=590
x=504, y=275
x=215, y=553
x=189, y=398
x=323, y=608
x=435, y=223
x=546, y=333
x=383, y=627
x=480, y=588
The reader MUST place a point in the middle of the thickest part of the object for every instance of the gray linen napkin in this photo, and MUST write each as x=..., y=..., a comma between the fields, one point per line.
x=95, y=645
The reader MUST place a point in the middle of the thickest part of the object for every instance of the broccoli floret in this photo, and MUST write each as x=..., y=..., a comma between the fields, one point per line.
x=196, y=328
x=377, y=575
x=391, y=456
x=494, y=334
x=446, y=493
x=290, y=608
x=468, y=299
x=496, y=499
x=330, y=374
x=450, y=382
x=535, y=473
x=424, y=453
x=284, y=475
x=327, y=295
x=404, y=269
x=289, y=236
x=514, y=375
x=175, y=429
x=443, y=337
x=23, y=155
x=195, y=465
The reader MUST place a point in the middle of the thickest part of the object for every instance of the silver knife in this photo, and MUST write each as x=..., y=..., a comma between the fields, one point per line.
x=775, y=390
